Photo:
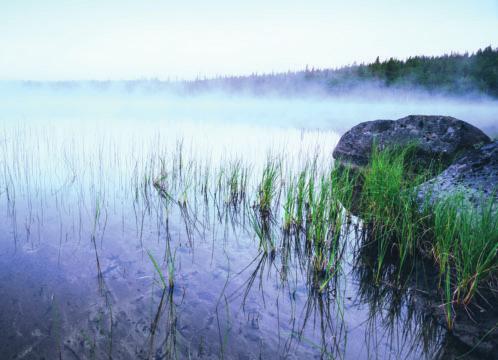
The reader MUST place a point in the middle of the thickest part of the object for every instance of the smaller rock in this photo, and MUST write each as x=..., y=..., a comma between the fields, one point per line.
x=474, y=174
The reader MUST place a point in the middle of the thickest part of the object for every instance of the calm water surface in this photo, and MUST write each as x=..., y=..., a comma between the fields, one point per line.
x=81, y=222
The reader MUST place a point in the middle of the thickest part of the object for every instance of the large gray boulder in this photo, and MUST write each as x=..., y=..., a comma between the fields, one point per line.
x=474, y=174
x=436, y=138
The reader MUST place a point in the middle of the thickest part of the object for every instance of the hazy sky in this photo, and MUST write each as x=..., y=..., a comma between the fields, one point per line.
x=123, y=39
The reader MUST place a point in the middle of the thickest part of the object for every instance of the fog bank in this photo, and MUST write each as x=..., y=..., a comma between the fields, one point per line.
x=118, y=104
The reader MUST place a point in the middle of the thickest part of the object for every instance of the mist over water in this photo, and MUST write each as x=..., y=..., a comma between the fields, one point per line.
x=121, y=105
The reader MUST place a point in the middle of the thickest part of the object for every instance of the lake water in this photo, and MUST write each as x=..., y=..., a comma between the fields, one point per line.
x=82, y=225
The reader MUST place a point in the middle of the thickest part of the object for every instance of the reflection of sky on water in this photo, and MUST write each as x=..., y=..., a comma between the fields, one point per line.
x=73, y=196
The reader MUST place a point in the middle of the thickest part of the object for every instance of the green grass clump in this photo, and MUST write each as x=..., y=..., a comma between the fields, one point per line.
x=463, y=236
x=268, y=187
x=325, y=228
x=324, y=219
x=289, y=205
x=263, y=231
x=300, y=193
x=465, y=244
x=236, y=182
x=388, y=204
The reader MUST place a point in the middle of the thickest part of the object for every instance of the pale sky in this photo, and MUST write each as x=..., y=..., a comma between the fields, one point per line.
x=125, y=39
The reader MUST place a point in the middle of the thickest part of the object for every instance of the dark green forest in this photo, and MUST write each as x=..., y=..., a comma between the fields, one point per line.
x=455, y=74
x=460, y=73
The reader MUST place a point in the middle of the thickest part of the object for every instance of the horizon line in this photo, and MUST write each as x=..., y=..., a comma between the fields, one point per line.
x=307, y=67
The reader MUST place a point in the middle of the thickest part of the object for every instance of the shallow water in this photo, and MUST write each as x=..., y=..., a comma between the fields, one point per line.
x=81, y=220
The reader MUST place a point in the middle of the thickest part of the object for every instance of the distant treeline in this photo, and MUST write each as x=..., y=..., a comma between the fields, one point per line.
x=456, y=74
